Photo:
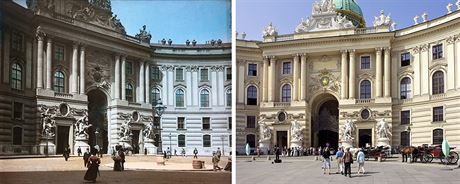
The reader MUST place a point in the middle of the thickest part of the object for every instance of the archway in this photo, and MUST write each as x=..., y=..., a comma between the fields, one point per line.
x=97, y=117
x=325, y=121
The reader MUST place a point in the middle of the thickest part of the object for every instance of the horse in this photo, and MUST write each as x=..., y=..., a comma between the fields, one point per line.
x=411, y=151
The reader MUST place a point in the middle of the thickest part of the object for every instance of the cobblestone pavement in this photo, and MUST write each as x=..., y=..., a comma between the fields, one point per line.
x=138, y=169
x=307, y=170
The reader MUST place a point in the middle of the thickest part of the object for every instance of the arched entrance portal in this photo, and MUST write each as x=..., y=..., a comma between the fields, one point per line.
x=97, y=117
x=325, y=121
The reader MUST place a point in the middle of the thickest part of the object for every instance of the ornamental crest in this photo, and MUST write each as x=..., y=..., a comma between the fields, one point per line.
x=325, y=81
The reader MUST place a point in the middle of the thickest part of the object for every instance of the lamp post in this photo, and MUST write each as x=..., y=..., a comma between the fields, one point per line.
x=170, y=148
x=97, y=134
x=158, y=110
x=223, y=149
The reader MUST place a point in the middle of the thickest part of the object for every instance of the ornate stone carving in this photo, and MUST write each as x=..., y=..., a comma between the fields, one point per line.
x=264, y=131
x=382, y=20
x=324, y=17
x=383, y=129
x=81, y=127
x=125, y=129
x=325, y=81
x=48, y=114
x=98, y=70
x=270, y=30
x=416, y=49
x=147, y=131
x=40, y=34
x=296, y=131
x=347, y=131
x=424, y=47
x=450, y=40
x=416, y=19
x=143, y=36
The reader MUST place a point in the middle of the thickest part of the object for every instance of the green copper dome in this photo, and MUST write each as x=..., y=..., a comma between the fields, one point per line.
x=351, y=10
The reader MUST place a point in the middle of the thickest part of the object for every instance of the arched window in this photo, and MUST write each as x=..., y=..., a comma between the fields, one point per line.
x=229, y=97
x=252, y=95
x=179, y=98
x=405, y=138
x=59, y=81
x=16, y=76
x=365, y=89
x=204, y=98
x=438, y=136
x=17, y=136
x=438, y=83
x=155, y=96
x=251, y=140
x=406, y=88
x=286, y=93
x=129, y=92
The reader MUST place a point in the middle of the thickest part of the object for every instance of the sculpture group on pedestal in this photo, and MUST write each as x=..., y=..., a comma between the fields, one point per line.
x=296, y=132
x=347, y=132
x=265, y=132
x=147, y=132
x=382, y=20
x=270, y=30
x=324, y=6
x=125, y=129
x=48, y=123
x=81, y=127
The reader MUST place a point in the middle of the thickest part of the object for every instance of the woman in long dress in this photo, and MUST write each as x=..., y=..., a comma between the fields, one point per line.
x=93, y=168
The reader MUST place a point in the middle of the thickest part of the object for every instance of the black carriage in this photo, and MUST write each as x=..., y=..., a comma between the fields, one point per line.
x=427, y=154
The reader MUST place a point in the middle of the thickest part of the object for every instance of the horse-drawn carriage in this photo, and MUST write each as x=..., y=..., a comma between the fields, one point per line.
x=426, y=154
x=376, y=152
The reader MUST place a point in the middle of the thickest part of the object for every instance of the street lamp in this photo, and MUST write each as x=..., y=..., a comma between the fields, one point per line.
x=170, y=148
x=158, y=110
x=97, y=134
x=223, y=149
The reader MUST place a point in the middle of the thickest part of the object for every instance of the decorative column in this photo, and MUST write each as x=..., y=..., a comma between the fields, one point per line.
x=417, y=71
x=213, y=96
x=49, y=54
x=378, y=72
x=386, y=72
x=295, y=78
x=141, y=82
x=82, y=70
x=188, y=82
x=147, y=82
x=352, y=86
x=303, y=76
x=117, y=76
x=74, y=74
x=265, y=80
x=195, y=83
x=344, y=75
x=241, y=75
x=40, y=37
x=424, y=69
x=220, y=85
x=457, y=59
x=123, y=77
x=271, y=82
x=450, y=63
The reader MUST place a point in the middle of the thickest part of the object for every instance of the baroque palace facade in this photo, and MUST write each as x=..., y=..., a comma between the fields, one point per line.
x=71, y=76
x=301, y=89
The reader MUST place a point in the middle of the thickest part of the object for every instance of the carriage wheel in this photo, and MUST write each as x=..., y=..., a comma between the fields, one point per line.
x=427, y=158
x=453, y=157
x=383, y=156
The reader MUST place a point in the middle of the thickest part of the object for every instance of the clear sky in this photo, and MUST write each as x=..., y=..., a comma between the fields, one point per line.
x=252, y=16
x=179, y=20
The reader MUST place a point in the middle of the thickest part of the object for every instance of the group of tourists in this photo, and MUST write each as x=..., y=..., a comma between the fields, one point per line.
x=344, y=161
x=294, y=151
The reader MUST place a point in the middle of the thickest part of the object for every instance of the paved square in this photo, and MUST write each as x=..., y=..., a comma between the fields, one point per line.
x=306, y=170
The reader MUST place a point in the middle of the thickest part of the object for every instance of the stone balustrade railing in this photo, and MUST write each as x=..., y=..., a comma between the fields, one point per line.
x=364, y=101
x=438, y=96
x=282, y=104
x=63, y=95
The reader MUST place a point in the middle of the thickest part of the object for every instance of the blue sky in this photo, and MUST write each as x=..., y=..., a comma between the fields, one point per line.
x=253, y=15
x=179, y=20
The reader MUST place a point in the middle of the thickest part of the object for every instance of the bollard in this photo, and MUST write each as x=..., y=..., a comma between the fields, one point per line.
x=268, y=158
x=379, y=159
x=253, y=158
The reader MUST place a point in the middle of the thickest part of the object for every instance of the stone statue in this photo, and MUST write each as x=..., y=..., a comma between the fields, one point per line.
x=324, y=17
x=449, y=8
x=458, y=4
x=383, y=130
x=324, y=6
x=143, y=35
x=81, y=127
x=148, y=130
x=393, y=26
x=425, y=17
x=125, y=129
x=270, y=30
x=243, y=35
x=296, y=131
x=48, y=124
x=265, y=132
x=382, y=20
x=348, y=130
x=416, y=19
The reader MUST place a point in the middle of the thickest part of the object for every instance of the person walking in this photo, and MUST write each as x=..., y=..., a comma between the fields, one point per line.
x=218, y=153
x=195, y=152
x=93, y=168
x=79, y=151
x=183, y=152
x=215, y=161
x=360, y=159
x=339, y=158
x=326, y=161
x=117, y=158
x=66, y=153
x=347, y=160
x=86, y=155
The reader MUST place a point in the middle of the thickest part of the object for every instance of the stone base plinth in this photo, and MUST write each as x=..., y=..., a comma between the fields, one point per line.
x=126, y=144
x=47, y=146
x=383, y=142
x=264, y=146
x=296, y=144
x=347, y=144
x=151, y=148
x=82, y=143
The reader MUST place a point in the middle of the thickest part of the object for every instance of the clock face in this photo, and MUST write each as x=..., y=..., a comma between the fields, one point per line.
x=325, y=81
x=365, y=114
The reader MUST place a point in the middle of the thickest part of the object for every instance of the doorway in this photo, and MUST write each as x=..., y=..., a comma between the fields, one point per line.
x=365, y=137
x=135, y=141
x=327, y=137
x=97, y=117
x=62, y=138
x=281, y=139
x=325, y=121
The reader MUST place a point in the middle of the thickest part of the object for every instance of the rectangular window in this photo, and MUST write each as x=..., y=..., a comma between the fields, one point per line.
x=180, y=123
x=156, y=73
x=206, y=123
x=438, y=114
x=365, y=62
x=405, y=117
x=229, y=74
x=252, y=69
x=129, y=68
x=206, y=140
x=229, y=123
x=16, y=41
x=229, y=140
x=250, y=122
x=58, y=52
x=204, y=74
x=437, y=51
x=181, y=141
x=179, y=74
x=405, y=59
x=286, y=68
x=17, y=114
x=17, y=136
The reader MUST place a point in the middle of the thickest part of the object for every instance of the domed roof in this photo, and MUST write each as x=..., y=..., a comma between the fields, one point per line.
x=352, y=10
